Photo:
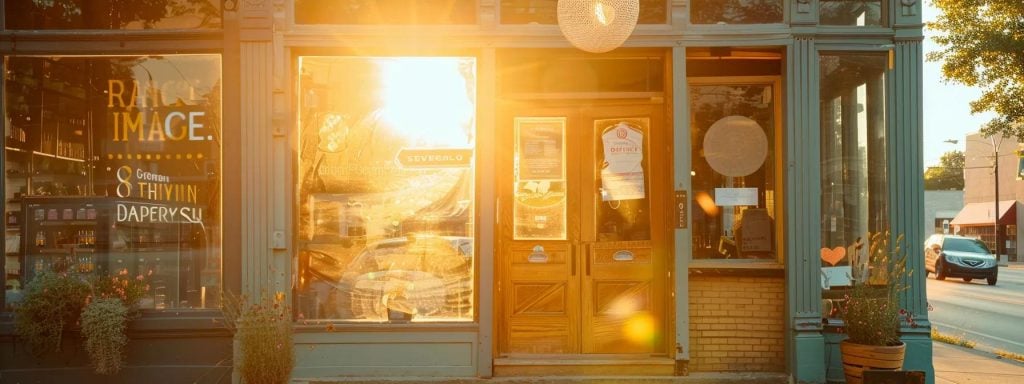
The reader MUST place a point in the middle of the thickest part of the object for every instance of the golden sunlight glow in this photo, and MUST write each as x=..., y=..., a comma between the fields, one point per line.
x=605, y=15
x=427, y=100
x=623, y=306
x=640, y=328
x=706, y=203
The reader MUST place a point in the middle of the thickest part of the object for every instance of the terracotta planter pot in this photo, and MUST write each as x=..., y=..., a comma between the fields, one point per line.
x=859, y=357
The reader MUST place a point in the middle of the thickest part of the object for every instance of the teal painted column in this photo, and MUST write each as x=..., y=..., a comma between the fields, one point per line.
x=906, y=193
x=681, y=181
x=906, y=180
x=803, y=212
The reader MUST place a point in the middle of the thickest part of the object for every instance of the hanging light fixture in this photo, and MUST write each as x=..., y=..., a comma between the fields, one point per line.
x=597, y=25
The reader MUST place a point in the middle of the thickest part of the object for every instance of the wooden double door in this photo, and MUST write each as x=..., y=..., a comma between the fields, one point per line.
x=582, y=229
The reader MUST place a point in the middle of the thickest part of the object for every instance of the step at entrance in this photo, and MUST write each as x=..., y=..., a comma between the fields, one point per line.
x=582, y=365
x=694, y=378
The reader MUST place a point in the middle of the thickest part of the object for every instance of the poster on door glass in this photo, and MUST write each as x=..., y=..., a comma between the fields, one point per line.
x=622, y=172
x=540, y=148
x=540, y=187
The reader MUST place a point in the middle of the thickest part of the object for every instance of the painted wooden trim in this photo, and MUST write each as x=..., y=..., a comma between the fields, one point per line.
x=682, y=238
x=906, y=182
x=804, y=181
x=256, y=181
x=486, y=220
x=805, y=343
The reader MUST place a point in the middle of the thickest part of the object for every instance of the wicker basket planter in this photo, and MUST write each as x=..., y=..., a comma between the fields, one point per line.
x=859, y=357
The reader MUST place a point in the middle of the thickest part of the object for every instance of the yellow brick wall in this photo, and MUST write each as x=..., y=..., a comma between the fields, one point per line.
x=736, y=324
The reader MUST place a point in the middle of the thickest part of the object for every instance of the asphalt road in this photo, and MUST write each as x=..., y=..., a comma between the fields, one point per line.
x=991, y=316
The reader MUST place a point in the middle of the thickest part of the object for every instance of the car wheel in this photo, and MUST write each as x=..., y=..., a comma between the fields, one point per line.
x=991, y=280
x=968, y=279
x=940, y=270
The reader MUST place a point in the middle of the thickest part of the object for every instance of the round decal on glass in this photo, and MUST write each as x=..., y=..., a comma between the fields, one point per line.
x=735, y=146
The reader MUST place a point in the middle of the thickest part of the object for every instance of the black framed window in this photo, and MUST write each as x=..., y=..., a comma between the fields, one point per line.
x=112, y=14
x=112, y=166
x=398, y=12
x=854, y=177
x=546, y=12
x=736, y=11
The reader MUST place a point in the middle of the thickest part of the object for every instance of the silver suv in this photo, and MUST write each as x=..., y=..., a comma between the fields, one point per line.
x=959, y=256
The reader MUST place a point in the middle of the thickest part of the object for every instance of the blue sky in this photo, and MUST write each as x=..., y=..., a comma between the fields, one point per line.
x=947, y=114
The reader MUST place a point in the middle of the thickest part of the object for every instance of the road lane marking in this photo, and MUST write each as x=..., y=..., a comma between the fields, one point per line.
x=997, y=338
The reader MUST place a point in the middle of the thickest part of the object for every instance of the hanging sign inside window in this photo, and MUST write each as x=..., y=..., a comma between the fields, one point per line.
x=622, y=174
x=725, y=197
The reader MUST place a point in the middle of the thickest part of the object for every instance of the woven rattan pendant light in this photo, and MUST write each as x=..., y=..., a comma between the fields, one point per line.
x=597, y=25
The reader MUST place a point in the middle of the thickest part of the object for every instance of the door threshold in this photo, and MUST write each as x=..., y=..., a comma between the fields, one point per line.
x=590, y=365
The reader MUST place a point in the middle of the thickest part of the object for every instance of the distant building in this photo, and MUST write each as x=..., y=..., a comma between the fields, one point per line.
x=976, y=218
x=940, y=207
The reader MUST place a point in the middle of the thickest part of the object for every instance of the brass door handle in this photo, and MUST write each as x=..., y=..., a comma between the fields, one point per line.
x=572, y=255
x=587, y=260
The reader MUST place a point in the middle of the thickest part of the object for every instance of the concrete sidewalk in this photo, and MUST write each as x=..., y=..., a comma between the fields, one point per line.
x=960, y=365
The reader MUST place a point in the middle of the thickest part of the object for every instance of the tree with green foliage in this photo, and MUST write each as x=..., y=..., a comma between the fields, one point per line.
x=949, y=174
x=982, y=45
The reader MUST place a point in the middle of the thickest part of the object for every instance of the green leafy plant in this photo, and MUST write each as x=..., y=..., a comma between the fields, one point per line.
x=871, y=310
x=121, y=286
x=113, y=303
x=104, y=322
x=264, y=333
x=52, y=303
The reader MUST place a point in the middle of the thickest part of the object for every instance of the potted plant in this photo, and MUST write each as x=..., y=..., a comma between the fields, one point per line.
x=263, y=333
x=872, y=312
x=100, y=308
x=52, y=304
x=114, y=301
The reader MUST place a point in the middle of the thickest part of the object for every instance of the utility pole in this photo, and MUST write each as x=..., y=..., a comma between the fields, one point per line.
x=995, y=175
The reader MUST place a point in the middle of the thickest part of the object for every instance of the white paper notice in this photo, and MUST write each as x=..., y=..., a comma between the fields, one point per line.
x=735, y=196
x=622, y=178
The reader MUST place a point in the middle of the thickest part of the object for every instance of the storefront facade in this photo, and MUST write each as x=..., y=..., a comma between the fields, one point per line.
x=449, y=188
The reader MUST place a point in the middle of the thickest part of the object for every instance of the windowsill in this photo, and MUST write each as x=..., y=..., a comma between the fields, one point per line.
x=736, y=264
x=318, y=326
x=205, y=322
x=753, y=268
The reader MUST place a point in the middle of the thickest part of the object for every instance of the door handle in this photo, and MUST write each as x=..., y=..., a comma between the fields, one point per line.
x=572, y=255
x=586, y=259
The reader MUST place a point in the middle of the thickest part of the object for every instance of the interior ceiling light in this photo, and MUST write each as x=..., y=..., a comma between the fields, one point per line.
x=597, y=25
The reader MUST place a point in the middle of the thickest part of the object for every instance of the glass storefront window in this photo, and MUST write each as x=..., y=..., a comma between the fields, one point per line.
x=736, y=11
x=106, y=14
x=733, y=169
x=386, y=196
x=854, y=202
x=857, y=13
x=546, y=12
x=112, y=166
x=385, y=12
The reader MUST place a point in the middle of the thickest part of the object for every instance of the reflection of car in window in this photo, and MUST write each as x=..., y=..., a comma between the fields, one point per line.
x=408, y=278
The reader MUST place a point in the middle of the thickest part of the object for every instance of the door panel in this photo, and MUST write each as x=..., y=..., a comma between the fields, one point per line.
x=592, y=287
x=622, y=309
x=542, y=314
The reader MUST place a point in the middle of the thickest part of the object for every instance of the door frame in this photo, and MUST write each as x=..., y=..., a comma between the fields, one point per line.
x=778, y=147
x=660, y=148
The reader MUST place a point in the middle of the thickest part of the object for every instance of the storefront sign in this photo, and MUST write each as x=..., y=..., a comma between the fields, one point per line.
x=541, y=148
x=726, y=197
x=435, y=157
x=161, y=142
x=622, y=177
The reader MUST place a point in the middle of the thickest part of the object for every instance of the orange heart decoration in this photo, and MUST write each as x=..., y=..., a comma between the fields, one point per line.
x=833, y=256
